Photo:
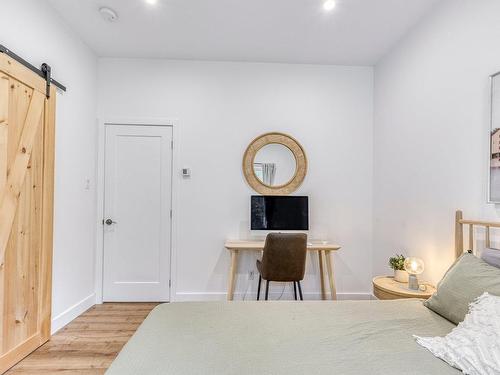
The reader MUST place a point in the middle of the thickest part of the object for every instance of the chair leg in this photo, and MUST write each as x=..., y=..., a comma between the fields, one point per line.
x=300, y=291
x=258, y=288
x=267, y=289
x=295, y=290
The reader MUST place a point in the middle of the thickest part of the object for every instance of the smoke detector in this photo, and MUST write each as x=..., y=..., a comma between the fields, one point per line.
x=108, y=14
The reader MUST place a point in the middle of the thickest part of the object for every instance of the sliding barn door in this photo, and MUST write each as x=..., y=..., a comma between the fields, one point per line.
x=26, y=201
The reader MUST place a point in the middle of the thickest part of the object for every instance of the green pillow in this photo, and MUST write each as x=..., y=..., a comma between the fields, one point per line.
x=467, y=279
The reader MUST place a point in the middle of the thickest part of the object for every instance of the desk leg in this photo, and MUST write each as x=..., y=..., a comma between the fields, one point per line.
x=329, y=267
x=322, y=274
x=232, y=275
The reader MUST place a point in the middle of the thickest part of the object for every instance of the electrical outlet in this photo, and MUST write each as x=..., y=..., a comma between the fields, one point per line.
x=251, y=275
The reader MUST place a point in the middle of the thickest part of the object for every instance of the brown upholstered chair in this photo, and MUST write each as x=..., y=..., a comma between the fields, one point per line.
x=284, y=260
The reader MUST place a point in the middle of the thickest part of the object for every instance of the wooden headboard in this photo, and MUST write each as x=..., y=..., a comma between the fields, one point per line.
x=459, y=232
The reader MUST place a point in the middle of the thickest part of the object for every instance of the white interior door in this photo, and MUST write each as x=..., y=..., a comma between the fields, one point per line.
x=137, y=213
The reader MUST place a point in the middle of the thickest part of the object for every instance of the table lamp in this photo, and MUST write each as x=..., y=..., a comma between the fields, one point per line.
x=414, y=267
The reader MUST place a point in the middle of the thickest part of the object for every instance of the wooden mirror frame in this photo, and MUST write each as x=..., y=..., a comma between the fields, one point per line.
x=281, y=139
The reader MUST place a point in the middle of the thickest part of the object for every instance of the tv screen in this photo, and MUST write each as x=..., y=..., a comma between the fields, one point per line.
x=279, y=212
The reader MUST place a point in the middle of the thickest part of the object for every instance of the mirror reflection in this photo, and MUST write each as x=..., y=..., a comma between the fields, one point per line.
x=274, y=164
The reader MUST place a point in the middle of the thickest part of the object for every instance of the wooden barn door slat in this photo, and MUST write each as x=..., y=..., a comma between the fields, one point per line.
x=47, y=217
x=17, y=173
x=4, y=117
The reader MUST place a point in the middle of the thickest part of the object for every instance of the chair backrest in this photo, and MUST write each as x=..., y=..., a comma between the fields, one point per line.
x=284, y=257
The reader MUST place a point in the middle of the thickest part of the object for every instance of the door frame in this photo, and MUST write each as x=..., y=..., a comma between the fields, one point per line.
x=101, y=147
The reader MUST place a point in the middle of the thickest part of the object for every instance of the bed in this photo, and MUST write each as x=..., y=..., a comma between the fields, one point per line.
x=347, y=337
x=313, y=337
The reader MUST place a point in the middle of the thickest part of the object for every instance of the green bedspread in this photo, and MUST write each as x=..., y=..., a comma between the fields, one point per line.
x=273, y=338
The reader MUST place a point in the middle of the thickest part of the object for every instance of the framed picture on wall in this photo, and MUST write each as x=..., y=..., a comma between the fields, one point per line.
x=494, y=155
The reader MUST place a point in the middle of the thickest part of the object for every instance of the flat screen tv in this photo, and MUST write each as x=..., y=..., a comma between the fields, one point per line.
x=279, y=212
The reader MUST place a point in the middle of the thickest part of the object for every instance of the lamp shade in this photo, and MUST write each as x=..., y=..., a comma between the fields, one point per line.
x=414, y=266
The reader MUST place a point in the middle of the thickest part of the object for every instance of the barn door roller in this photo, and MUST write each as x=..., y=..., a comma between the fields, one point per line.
x=44, y=71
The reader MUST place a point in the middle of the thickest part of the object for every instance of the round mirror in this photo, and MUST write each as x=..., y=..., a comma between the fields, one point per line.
x=274, y=165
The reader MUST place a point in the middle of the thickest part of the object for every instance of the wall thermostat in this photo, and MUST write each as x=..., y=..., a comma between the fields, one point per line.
x=186, y=172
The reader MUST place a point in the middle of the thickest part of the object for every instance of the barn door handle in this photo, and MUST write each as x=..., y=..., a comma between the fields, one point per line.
x=110, y=222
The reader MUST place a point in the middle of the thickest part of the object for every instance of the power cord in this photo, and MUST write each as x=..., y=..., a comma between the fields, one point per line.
x=278, y=299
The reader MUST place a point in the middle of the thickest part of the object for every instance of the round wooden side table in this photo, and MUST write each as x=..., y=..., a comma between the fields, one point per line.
x=385, y=287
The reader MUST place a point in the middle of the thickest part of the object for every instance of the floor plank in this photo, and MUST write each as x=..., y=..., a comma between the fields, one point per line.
x=89, y=344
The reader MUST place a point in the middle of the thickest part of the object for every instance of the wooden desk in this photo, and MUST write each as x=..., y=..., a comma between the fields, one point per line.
x=324, y=251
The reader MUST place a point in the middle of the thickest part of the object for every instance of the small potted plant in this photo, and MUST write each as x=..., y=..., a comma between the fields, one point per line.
x=397, y=263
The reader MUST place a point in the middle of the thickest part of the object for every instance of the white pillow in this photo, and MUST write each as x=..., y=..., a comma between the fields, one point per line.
x=474, y=345
x=491, y=256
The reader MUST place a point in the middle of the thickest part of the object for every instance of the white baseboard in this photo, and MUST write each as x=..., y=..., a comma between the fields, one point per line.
x=220, y=296
x=71, y=313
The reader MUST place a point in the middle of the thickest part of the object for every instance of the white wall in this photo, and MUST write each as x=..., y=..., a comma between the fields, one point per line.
x=34, y=31
x=221, y=107
x=431, y=132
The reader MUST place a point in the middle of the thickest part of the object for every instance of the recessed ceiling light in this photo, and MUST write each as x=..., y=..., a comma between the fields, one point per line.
x=151, y=2
x=328, y=5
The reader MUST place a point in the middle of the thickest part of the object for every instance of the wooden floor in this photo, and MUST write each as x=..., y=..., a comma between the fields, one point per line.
x=89, y=343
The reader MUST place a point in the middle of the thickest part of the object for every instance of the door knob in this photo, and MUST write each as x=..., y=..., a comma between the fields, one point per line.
x=109, y=222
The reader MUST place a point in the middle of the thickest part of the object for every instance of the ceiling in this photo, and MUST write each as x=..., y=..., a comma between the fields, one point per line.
x=356, y=32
